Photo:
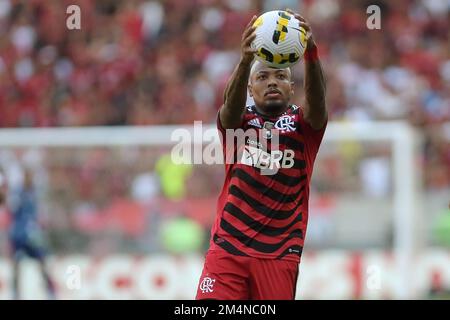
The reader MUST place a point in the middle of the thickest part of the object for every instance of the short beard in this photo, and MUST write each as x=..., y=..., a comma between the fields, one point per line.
x=274, y=107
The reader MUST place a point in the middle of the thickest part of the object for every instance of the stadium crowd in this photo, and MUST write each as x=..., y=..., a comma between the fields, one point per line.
x=141, y=62
x=153, y=62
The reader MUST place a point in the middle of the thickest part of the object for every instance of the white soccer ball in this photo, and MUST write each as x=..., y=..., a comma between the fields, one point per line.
x=280, y=41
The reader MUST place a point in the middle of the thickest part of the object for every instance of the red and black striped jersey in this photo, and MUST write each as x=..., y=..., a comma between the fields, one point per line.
x=262, y=210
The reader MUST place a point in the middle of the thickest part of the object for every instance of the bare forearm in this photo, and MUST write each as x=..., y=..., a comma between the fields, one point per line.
x=315, y=91
x=235, y=96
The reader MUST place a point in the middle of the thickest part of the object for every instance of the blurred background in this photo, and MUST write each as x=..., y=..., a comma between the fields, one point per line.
x=137, y=225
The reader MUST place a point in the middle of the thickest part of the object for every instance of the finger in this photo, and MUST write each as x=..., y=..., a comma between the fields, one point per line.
x=248, y=29
x=290, y=11
x=251, y=22
x=305, y=26
x=249, y=39
x=296, y=15
x=248, y=32
x=300, y=18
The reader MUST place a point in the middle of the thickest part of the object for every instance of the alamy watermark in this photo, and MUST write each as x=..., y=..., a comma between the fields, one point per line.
x=373, y=280
x=374, y=19
x=73, y=277
x=73, y=21
x=252, y=147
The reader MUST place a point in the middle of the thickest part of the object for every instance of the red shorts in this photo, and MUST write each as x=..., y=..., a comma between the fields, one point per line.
x=229, y=277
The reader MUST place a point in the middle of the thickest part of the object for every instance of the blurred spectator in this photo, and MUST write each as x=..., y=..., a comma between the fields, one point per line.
x=141, y=62
x=154, y=62
x=173, y=177
x=441, y=228
x=26, y=234
x=182, y=235
x=145, y=187
x=375, y=174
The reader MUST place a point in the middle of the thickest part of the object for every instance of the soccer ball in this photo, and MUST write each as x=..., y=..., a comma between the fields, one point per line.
x=280, y=41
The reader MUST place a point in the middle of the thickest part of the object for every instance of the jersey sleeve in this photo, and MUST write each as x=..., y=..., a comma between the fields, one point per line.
x=220, y=127
x=229, y=149
x=313, y=137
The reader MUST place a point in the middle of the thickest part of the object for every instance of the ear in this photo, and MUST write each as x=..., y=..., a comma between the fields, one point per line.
x=292, y=88
x=249, y=87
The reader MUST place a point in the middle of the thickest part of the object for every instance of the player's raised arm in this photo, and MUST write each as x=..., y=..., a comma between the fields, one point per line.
x=235, y=94
x=315, y=112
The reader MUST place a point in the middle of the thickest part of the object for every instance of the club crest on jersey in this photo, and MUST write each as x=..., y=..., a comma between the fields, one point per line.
x=207, y=285
x=285, y=123
x=255, y=122
x=267, y=127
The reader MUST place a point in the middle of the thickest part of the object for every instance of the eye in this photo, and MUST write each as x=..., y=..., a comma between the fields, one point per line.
x=281, y=76
x=261, y=77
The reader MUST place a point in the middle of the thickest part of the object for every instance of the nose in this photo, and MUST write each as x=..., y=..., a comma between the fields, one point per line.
x=272, y=82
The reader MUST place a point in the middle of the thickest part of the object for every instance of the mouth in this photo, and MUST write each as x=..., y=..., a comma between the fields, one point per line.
x=273, y=94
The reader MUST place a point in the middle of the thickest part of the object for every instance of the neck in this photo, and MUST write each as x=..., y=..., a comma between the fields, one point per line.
x=272, y=113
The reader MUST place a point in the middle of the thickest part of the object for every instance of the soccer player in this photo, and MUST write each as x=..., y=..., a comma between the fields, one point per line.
x=25, y=234
x=259, y=231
